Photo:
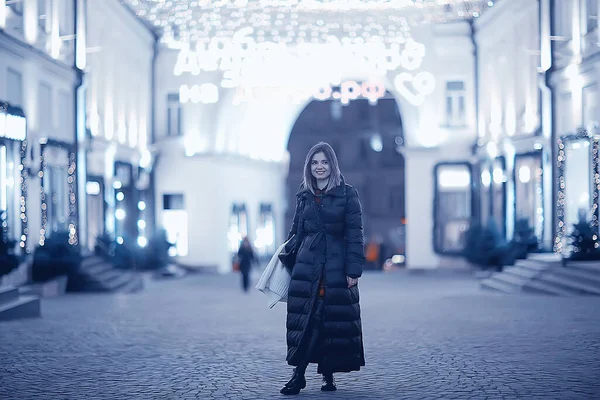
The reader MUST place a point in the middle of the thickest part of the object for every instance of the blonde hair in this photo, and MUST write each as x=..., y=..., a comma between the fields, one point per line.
x=335, y=178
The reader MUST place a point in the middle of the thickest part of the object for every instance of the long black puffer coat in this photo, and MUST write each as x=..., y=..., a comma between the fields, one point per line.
x=332, y=245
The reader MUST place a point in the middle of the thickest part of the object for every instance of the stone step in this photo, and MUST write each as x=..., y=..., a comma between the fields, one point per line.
x=498, y=286
x=96, y=268
x=581, y=275
x=570, y=284
x=522, y=272
x=136, y=284
x=543, y=287
x=547, y=258
x=22, y=307
x=510, y=279
x=536, y=265
x=8, y=294
x=592, y=267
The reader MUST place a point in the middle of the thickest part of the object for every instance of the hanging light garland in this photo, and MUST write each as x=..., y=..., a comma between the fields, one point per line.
x=23, y=197
x=71, y=180
x=72, y=193
x=561, y=226
x=44, y=205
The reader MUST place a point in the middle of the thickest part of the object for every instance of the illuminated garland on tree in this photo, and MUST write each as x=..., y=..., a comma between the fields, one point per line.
x=23, y=198
x=44, y=227
x=71, y=180
x=561, y=227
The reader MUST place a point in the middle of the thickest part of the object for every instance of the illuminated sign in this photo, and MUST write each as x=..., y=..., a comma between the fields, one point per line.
x=302, y=71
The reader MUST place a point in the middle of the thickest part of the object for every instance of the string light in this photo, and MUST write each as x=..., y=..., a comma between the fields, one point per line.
x=71, y=181
x=561, y=226
x=23, y=198
x=72, y=199
x=190, y=21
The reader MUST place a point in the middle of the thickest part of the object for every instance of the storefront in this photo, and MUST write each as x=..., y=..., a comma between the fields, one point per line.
x=578, y=184
x=13, y=174
x=58, y=194
x=528, y=179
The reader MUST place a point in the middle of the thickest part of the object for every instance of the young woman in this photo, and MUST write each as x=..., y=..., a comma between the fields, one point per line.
x=323, y=312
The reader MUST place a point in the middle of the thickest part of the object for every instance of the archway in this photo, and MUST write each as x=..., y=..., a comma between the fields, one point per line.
x=367, y=139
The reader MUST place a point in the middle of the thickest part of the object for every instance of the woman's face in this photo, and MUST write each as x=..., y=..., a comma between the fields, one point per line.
x=319, y=166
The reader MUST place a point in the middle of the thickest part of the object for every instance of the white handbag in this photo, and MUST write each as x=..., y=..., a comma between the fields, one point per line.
x=275, y=280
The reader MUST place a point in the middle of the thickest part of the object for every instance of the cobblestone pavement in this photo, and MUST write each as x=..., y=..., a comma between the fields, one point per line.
x=201, y=338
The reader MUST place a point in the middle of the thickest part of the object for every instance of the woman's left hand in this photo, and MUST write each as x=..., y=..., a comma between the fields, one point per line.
x=351, y=281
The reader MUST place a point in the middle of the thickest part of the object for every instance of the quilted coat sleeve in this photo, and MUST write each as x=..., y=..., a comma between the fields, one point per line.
x=355, y=242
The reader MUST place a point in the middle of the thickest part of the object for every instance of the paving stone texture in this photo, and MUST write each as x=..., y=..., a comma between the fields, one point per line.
x=426, y=337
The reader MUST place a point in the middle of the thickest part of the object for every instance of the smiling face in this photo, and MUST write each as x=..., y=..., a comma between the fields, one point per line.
x=319, y=167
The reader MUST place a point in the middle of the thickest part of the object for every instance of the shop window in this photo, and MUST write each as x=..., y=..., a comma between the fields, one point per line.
x=453, y=207
x=94, y=189
x=578, y=178
x=529, y=196
x=9, y=189
x=175, y=223
x=499, y=181
x=238, y=226
x=174, y=115
x=264, y=241
x=455, y=103
x=55, y=201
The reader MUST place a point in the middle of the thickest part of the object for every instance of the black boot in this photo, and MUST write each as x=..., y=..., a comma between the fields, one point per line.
x=328, y=383
x=297, y=383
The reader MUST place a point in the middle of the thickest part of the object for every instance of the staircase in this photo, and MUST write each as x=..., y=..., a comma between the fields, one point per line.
x=95, y=274
x=15, y=306
x=546, y=274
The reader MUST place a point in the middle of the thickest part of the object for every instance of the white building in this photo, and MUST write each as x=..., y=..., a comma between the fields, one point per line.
x=119, y=83
x=39, y=75
x=219, y=161
x=147, y=127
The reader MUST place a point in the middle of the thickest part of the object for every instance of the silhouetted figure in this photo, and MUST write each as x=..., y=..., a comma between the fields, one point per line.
x=246, y=257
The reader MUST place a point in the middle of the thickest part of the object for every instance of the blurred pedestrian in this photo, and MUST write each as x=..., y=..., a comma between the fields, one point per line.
x=246, y=257
x=323, y=311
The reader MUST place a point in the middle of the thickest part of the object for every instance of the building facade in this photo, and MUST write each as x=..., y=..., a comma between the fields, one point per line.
x=119, y=121
x=125, y=132
x=38, y=155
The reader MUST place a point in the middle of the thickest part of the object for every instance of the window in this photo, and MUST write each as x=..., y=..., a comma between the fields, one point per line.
x=55, y=188
x=453, y=207
x=264, y=241
x=238, y=226
x=592, y=15
x=17, y=6
x=45, y=104
x=337, y=110
x=173, y=115
x=529, y=195
x=455, y=103
x=43, y=15
x=563, y=21
x=175, y=223
x=14, y=88
x=173, y=202
x=66, y=106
